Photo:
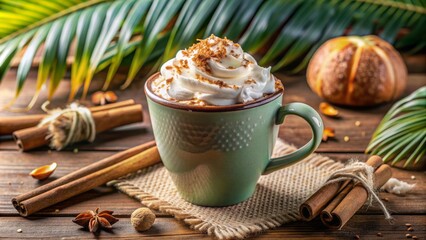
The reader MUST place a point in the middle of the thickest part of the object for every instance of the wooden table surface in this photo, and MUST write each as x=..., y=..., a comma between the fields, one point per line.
x=55, y=222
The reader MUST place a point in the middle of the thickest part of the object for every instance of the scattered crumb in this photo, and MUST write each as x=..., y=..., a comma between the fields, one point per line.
x=410, y=229
x=413, y=177
x=385, y=199
x=408, y=225
x=346, y=138
x=363, y=133
x=356, y=237
x=75, y=150
x=56, y=210
x=357, y=123
x=379, y=234
x=414, y=237
x=408, y=235
x=19, y=230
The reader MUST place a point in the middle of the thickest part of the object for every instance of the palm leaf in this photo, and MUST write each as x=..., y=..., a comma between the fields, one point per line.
x=104, y=34
x=401, y=135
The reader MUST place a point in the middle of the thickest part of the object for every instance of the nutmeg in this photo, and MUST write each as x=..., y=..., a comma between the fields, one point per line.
x=357, y=71
x=142, y=219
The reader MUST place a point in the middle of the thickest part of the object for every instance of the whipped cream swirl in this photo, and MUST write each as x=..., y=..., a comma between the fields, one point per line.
x=214, y=71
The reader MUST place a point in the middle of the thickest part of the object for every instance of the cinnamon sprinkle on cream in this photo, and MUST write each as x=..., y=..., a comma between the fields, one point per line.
x=217, y=82
x=249, y=81
x=214, y=71
x=202, y=51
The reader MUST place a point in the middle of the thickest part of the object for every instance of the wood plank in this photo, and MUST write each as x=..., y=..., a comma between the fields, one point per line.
x=14, y=169
x=14, y=180
x=294, y=130
x=169, y=228
x=297, y=132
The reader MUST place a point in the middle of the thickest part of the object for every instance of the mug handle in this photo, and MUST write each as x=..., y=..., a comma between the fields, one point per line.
x=317, y=126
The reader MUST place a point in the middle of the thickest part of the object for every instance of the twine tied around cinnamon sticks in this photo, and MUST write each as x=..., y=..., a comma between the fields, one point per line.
x=69, y=125
x=363, y=174
x=29, y=133
x=346, y=191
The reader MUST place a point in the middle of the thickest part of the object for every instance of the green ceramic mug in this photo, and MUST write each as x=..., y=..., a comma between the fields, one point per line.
x=216, y=154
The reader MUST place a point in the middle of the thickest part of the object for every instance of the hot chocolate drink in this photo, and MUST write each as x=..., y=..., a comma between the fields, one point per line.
x=215, y=115
x=214, y=71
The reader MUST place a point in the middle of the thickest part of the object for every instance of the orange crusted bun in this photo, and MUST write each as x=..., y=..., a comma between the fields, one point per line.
x=357, y=71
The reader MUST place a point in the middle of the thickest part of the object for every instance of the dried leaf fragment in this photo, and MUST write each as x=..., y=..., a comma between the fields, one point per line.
x=43, y=172
x=102, y=98
x=327, y=133
x=328, y=110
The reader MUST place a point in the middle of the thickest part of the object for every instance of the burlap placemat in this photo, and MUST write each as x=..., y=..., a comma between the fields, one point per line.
x=275, y=202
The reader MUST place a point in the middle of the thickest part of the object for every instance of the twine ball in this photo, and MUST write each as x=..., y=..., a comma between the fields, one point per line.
x=142, y=219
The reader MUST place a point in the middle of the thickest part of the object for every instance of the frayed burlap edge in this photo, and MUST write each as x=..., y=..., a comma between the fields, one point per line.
x=223, y=232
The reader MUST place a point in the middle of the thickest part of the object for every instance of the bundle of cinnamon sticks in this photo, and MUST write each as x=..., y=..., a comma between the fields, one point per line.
x=87, y=178
x=337, y=202
x=29, y=136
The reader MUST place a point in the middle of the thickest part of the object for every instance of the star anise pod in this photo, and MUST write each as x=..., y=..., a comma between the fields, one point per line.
x=95, y=220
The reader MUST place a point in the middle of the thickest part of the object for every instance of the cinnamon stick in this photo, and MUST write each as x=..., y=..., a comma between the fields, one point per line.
x=34, y=137
x=312, y=207
x=110, y=106
x=355, y=199
x=109, y=161
x=326, y=213
x=8, y=125
x=141, y=160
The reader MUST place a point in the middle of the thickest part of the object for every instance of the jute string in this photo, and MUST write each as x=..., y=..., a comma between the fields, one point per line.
x=361, y=173
x=69, y=125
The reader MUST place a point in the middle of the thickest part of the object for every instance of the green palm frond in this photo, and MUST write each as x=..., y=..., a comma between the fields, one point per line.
x=101, y=34
x=401, y=135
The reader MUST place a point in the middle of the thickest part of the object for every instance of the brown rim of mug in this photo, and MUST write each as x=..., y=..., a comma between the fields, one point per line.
x=235, y=107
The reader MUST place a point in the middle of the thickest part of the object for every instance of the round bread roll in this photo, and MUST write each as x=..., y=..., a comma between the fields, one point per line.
x=357, y=71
